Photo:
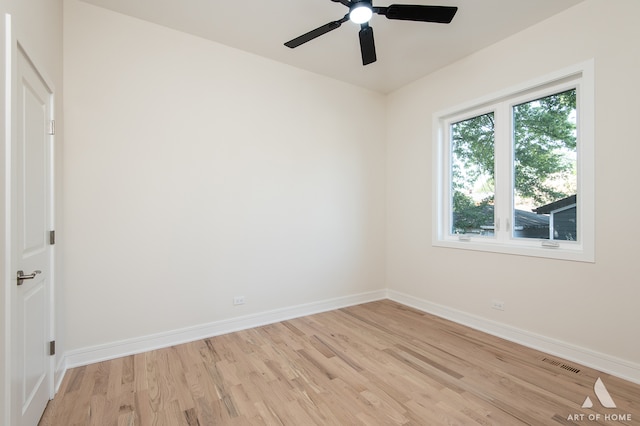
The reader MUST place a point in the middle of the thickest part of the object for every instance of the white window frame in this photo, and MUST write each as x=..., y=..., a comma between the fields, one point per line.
x=580, y=77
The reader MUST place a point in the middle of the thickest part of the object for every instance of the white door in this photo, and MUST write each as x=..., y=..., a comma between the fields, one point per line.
x=32, y=223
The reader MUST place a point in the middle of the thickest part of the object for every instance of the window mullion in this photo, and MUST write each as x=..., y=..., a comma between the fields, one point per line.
x=503, y=172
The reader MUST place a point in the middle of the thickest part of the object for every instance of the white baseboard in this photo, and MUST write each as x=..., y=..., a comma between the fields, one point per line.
x=90, y=355
x=61, y=370
x=603, y=362
x=606, y=363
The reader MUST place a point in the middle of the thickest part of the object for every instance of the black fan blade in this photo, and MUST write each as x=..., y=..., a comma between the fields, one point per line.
x=316, y=33
x=411, y=12
x=367, y=46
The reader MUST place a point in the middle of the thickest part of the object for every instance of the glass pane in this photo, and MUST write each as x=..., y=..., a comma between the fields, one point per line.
x=472, y=176
x=545, y=167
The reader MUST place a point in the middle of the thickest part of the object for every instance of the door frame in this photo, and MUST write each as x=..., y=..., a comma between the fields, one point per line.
x=5, y=249
x=13, y=47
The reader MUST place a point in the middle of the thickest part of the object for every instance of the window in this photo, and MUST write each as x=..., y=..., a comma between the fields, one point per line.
x=514, y=171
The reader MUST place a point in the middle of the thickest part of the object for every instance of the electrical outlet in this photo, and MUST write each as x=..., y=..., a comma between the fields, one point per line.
x=238, y=300
x=498, y=304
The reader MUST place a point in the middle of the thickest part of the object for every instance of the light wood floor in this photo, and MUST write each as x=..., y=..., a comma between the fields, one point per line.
x=380, y=363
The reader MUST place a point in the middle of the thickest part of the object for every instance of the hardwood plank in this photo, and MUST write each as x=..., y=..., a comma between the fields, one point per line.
x=379, y=363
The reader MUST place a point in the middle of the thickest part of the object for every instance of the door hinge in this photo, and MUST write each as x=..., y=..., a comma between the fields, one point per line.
x=52, y=237
x=52, y=347
x=52, y=127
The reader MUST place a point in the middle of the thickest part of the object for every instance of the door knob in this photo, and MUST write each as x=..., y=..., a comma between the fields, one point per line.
x=21, y=276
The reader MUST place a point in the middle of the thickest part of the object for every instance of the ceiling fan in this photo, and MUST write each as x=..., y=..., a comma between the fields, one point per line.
x=361, y=11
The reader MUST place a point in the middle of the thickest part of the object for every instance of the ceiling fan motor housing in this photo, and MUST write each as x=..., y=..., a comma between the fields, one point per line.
x=360, y=12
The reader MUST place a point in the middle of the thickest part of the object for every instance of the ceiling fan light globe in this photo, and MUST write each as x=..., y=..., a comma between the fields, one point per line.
x=360, y=14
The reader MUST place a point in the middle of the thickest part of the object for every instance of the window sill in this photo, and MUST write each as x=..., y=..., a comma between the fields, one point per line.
x=565, y=251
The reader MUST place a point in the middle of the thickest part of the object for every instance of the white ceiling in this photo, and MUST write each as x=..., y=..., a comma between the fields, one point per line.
x=406, y=50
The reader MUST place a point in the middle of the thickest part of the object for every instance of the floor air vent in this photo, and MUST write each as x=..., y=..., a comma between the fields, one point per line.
x=561, y=365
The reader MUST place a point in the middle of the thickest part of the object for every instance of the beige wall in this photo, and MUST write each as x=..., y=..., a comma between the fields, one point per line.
x=592, y=306
x=195, y=173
